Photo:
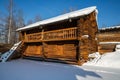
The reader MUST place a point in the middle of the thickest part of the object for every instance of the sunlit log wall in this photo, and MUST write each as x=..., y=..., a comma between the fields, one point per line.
x=87, y=35
x=70, y=40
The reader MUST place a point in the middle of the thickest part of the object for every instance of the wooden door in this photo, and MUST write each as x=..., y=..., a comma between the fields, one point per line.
x=33, y=50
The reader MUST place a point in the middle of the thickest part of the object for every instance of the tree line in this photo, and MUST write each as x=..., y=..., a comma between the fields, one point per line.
x=9, y=22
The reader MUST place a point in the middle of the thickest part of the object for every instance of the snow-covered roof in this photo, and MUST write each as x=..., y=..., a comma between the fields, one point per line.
x=66, y=16
x=113, y=27
x=109, y=42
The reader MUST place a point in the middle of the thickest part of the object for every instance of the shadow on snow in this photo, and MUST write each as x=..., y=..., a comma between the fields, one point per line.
x=34, y=70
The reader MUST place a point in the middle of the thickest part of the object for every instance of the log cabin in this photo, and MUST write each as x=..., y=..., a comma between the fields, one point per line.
x=70, y=37
x=108, y=38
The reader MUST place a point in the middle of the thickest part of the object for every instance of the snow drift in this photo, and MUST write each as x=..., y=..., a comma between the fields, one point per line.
x=111, y=60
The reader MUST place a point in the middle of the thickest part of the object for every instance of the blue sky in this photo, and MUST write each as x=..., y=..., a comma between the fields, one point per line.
x=108, y=10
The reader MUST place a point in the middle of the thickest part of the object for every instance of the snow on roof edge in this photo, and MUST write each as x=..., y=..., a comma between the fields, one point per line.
x=66, y=16
x=109, y=42
x=113, y=27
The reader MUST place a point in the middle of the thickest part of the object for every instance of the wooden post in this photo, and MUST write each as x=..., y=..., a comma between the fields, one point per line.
x=78, y=54
x=42, y=38
x=43, y=44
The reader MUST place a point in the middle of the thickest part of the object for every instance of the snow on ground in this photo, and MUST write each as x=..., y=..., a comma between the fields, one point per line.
x=36, y=70
x=111, y=60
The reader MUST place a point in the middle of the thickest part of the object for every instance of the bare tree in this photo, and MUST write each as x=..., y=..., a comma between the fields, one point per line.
x=37, y=18
x=104, y=25
x=1, y=31
x=9, y=25
x=69, y=10
x=19, y=19
x=10, y=21
x=19, y=22
x=3, y=21
x=72, y=9
x=29, y=22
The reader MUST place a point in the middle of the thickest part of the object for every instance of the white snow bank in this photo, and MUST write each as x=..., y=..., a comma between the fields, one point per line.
x=96, y=57
x=111, y=60
x=113, y=27
x=117, y=47
x=109, y=42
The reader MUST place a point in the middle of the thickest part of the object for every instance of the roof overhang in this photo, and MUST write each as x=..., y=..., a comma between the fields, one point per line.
x=109, y=28
x=63, y=17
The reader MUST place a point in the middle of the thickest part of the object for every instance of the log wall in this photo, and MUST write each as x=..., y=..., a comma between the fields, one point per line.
x=87, y=33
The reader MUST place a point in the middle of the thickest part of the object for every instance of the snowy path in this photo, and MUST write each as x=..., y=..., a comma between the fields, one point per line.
x=36, y=70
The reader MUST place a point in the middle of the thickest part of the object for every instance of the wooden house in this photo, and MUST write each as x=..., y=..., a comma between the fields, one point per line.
x=108, y=38
x=68, y=38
